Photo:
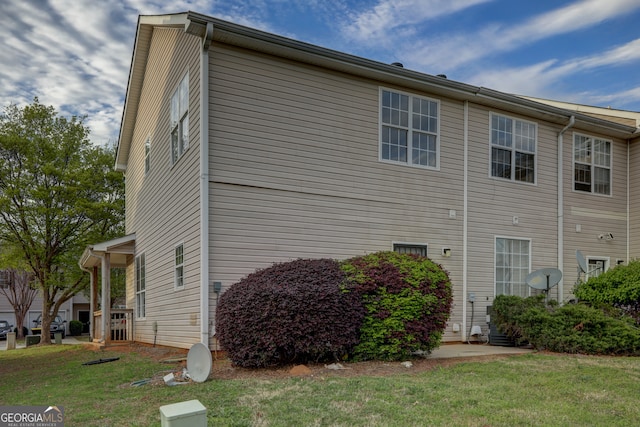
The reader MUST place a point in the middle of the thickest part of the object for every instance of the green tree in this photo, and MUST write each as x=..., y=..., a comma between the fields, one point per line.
x=58, y=193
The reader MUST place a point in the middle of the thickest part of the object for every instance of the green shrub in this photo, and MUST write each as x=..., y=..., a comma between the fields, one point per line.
x=573, y=328
x=407, y=299
x=75, y=327
x=619, y=287
x=292, y=312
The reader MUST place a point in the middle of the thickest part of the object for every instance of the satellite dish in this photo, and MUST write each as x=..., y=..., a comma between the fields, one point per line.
x=199, y=362
x=582, y=261
x=544, y=279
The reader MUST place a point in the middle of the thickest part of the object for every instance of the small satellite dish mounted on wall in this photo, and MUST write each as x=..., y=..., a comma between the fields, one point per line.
x=544, y=279
x=199, y=362
x=583, y=267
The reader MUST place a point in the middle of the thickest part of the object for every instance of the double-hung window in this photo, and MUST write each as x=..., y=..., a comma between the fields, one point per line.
x=513, y=149
x=179, y=266
x=141, y=287
x=512, y=266
x=591, y=164
x=409, y=129
x=180, y=120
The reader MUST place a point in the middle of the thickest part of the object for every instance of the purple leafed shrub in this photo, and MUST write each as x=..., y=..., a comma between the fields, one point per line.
x=292, y=312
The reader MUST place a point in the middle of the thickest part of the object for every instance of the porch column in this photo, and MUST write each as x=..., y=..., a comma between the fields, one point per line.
x=106, y=297
x=93, y=302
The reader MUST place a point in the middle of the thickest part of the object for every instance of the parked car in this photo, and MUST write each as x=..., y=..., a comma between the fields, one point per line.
x=5, y=328
x=57, y=325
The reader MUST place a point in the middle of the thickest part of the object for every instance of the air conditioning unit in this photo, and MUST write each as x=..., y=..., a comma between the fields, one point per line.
x=496, y=337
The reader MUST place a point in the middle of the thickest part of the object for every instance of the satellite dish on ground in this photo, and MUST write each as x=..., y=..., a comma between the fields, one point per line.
x=544, y=279
x=199, y=362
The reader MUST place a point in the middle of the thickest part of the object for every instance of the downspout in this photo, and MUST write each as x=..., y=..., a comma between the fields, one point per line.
x=572, y=121
x=628, y=204
x=204, y=185
x=465, y=219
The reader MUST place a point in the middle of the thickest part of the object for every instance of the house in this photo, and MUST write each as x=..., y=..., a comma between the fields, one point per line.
x=243, y=148
x=76, y=308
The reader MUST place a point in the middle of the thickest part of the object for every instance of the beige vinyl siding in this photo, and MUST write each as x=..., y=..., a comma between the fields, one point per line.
x=295, y=170
x=493, y=203
x=163, y=205
x=634, y=200
x=594, y=213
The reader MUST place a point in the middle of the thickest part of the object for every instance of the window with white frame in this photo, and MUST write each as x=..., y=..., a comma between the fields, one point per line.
x=409, y=129
x=512, y=266
x=180, y=120
x=591, y=164
x=410, y=248
x=141, y=287
x=513, y=149
x=596, y=266
x=147, y=161
x=179, y=266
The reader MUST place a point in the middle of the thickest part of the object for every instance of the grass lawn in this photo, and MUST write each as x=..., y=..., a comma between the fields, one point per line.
x=525, y=390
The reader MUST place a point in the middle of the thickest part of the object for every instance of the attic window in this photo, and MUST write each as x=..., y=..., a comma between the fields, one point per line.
x=180, y=120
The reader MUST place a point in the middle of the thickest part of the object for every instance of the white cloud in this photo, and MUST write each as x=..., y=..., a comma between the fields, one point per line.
x=543, y=79
x=456, y=50
x=381, y=23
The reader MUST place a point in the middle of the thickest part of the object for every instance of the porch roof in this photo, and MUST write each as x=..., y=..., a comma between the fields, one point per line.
x=118, y=249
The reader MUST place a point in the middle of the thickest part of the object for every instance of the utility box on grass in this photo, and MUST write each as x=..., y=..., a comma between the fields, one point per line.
x=32, y=340
x=184, y=414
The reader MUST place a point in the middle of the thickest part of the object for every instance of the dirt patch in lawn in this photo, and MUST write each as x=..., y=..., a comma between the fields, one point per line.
x=223, y=369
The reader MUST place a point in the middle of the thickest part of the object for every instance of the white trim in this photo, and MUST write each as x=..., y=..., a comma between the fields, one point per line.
x=177, y=287
x=573, y=165
x=465, y=221
x=204, y=186
x=495, y=238
x=135, y=286
x=513, y=151
x=409, y=163
x=606, y=259
x=180, y=118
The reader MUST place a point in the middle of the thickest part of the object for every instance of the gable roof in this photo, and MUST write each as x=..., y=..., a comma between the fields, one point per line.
x=241, y=36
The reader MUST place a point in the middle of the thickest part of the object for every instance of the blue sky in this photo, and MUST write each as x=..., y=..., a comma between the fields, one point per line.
x=75, y=54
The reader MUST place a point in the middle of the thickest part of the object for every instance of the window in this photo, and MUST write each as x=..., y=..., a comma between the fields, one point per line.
x=147, y=148
x=591, y=165
x=5, y=279
x=179, y=270
x=596, y=266
x=512, y=266
x=180, y=120
x=409, y=129
x=409, y=248
x=140, y=286
x=513, y=149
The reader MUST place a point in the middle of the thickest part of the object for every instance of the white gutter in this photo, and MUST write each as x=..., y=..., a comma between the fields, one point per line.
x=572, y=121
x=204, y=185
x=464, y=219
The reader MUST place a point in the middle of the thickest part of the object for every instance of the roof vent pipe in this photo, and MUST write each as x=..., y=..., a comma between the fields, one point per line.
x=398, y=64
